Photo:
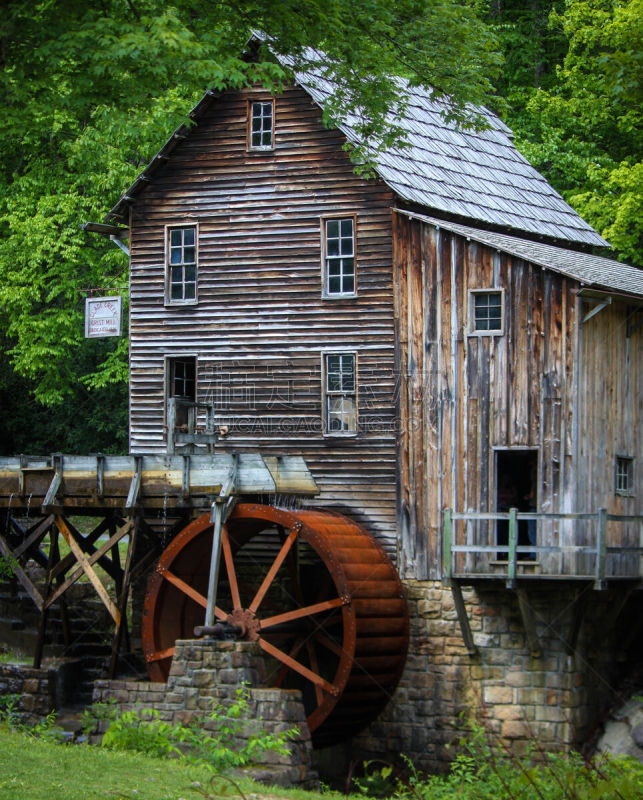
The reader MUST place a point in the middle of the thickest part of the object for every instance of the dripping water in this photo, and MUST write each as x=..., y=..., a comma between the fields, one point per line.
x=8, y=513
x=28, y=504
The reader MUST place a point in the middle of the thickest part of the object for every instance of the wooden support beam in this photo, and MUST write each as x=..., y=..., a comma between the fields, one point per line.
x=447, y=537
x=55, y=484
x=96, y=556
x=578, y=614
x=101, y=591
x=35, y=536
x=20, y=574
x=463, y=619
x=601, y=549
x=122, y=605
x=135, y=486
x=85, y=542
x=529, y=623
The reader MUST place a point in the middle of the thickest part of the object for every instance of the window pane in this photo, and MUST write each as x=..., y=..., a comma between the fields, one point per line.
x=189, y=255
x=176, y=291
x=332, y=228
x=190, y=274
x=347, y=227
x=175, y=237
x=348, y=284
x=347, y=247
x=334, y=285
x=177, y=275
x=332, y=247
x=333, y=266
x=189, y=291
x=256, y=124
x=349, y=266
x=175, y=255
x=188, y=236
x=266, y=138
x=487, y=311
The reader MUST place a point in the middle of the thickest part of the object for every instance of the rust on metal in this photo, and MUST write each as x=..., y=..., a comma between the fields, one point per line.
x=313, y=588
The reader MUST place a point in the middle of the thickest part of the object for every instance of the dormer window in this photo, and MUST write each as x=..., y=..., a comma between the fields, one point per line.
x=181, y=265
x=261, y=126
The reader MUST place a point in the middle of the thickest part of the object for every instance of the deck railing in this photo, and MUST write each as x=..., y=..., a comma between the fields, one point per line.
x=577, y=546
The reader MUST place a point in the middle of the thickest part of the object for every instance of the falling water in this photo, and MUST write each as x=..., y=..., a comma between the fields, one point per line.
x=28, y=504
x=8, y=512
x=164, y=519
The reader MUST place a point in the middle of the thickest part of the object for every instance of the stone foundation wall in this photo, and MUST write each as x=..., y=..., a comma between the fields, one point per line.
x=35, y=690
x=204, y=673
x=558, y=699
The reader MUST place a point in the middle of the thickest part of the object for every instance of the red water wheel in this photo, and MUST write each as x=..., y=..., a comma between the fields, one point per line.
x=315, y=590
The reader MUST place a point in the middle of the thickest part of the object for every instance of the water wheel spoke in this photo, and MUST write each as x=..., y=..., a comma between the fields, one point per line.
x=281, y=675
x=192, y=593
x=232, y=574
x=296, y=666
x=312, y=657
x=306, y=611
x=329, y=644
x=159, y=655
x=274, y=569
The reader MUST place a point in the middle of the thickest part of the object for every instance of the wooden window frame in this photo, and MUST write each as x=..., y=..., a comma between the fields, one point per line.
x=167, y=379
x=325, y=258
x=627, y=491
x=326, y=394
x=249, y=117
x=169, y=300
x=472, y=330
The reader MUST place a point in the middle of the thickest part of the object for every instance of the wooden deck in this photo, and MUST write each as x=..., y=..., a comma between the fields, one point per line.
x=595, y=546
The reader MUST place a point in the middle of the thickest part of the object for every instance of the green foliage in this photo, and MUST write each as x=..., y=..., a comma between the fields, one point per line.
x=577, y=117
x=215, y=740
x=484, y=769
x=9, y=713
x=92, y=90
x=377, y=779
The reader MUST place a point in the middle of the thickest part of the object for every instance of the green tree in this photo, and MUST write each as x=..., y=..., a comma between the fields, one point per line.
x=90, y=92
x=580, y=122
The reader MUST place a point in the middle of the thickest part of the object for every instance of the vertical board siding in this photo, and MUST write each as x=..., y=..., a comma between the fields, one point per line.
x=531, y=387
x=260, y=324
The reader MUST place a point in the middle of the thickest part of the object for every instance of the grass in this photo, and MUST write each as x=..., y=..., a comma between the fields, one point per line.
x=41, y=770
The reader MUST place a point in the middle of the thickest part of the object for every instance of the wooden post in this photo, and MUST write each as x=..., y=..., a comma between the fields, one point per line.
x=513, y=543
x=601, y=549
x=463, y=619
x=42, y=625
x=122, y=605
x=447, y=534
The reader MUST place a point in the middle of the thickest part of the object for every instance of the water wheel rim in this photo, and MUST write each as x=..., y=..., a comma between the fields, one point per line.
x=328, y=692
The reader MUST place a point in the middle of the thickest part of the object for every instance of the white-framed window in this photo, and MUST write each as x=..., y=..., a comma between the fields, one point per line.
x=181, y=264
x=486, y=312
x=338, y=253
x=261, y=124
x=339, y=375
x=624, y=475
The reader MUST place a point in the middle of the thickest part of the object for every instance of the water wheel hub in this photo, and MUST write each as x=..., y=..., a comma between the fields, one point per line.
x=247, y=622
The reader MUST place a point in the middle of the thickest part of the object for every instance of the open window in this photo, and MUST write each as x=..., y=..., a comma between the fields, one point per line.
x=340, y=393
x=517, y=487
x=181, y=390
x=261, y=124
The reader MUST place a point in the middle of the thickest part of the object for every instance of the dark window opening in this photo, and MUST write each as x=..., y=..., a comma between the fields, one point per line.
x=182, y=386
x=516, y=487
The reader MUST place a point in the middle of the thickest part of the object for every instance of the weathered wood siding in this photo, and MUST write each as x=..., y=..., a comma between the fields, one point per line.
x=547, y=383
x=261, y=324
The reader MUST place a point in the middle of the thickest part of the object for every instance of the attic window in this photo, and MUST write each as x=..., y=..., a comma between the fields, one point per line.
x=486, y=311
x=624, y=483
x=181, y=267
x=261, y=128
x=338, y=237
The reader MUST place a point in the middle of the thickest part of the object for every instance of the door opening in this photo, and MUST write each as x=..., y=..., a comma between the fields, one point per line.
x=517, y=487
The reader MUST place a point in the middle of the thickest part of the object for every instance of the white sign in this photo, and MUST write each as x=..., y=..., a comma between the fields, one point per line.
x=103, y=316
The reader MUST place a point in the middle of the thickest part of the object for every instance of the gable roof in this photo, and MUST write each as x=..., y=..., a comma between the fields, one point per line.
x=589, y=270
x=475, y=175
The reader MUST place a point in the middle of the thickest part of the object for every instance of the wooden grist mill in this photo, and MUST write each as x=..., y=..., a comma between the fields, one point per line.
x=312, y=587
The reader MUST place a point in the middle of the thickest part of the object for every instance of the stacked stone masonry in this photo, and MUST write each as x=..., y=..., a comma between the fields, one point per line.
x=206, y=673
x=559, y=699
x=34, y=691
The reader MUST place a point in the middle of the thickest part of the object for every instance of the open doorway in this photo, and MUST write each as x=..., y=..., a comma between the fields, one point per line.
x=517, y=487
